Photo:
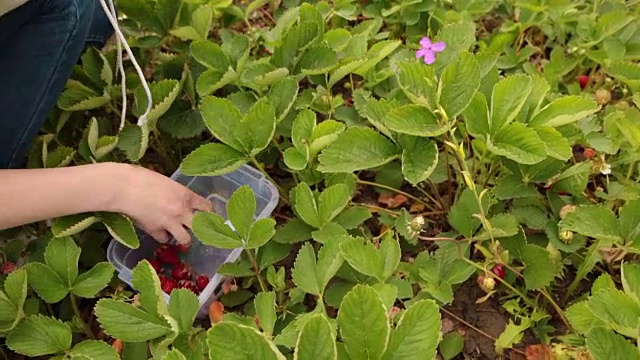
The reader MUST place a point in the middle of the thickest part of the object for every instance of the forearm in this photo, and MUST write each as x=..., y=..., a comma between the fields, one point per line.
x=32, y=195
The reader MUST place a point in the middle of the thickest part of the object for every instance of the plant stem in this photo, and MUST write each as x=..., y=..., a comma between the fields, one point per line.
x=256, y=269
x=414, y=198
x=557, y=308
x=76, y=311
x=283, y=194
x=499, y=279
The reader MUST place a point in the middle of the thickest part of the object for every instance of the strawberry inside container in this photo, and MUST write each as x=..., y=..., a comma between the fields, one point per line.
x=195, y=268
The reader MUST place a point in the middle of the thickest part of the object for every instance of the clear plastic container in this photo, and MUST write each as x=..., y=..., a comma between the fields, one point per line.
x=202, y=258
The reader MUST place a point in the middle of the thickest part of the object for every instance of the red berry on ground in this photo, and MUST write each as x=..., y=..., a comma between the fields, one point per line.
x=167, y=284
x=202, y=281
x=589, y=153
x=189, y=285
x=8, y=267
x=156, y=265
x=182, y=271
x=583, y=80
x=499, y=271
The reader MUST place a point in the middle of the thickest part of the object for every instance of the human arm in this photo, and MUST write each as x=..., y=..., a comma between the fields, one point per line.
x=158, y=205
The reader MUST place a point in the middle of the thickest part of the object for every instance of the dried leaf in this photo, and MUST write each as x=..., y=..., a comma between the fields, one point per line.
x=539, y=352
x=216, y=312
x=392, y=202
x=416, y=208
x=117, y=345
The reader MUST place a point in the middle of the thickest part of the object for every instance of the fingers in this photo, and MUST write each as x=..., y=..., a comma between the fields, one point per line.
x=187, y=220
x=160, y=236
x=180, y=234
x=200, y=203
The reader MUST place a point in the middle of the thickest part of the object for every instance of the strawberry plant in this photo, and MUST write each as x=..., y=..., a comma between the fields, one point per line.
x=456, y=179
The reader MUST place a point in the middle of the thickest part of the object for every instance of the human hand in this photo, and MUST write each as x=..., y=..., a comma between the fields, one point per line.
x=158, y=205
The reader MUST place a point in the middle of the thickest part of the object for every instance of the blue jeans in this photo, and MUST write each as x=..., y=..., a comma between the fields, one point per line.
x=40, y=42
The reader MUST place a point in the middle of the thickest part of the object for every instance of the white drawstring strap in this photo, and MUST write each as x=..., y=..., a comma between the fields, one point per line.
x=110, y=11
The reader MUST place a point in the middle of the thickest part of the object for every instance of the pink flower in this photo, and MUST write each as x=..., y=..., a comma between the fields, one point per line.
x=428, y=50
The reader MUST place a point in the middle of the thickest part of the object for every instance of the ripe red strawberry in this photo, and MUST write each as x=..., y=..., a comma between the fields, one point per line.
x=167, y=254
x=167, y=284
x=156, y=265
x=183, y=248
x=8, y=267
x=189, y=285
x=499, y=271
x=589, y=153
x=583, y=80
x=202, y=281
x=182, y=271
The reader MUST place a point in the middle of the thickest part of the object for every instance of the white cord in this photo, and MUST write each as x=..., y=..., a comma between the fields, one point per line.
x=111, y=14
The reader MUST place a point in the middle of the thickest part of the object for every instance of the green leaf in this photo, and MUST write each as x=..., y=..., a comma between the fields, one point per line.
x=261, y=73
x=210, y=55
x=316, y=340
x=582, y=319
x=318, y=60
x=261, y=232
x=201, y=20
x=352, y=217
x=186, y=33
x=331, y=202
x=133, y=141
x=414, y=120
x=46, y=282
x=565, y=110
x=604, y=344
x=183, y=307
x=174, y=354
x=60, y=157
x=79, y=99
x=507, y=99
x=357, y=149
x=376, y=54
x=211, y=230
x=145, y=279
x=293, y=231
x=212, y=159
x=260, y=125
x=452, y=344
x=40, y=335
x=128, y=323
x=539, y=268
x=62, y=255
x=476, y=116
x=629, y=227
x=419, y=158
x=329, y=261
x=12, y=300
x=296, y=39
x=229, y=341
x=212, y=80
x=343, y=70
x=94, y=350
x=417, y=334
x=241, y=209
x=163, y=94
x=557, y=145
x=459, y=37
x=627, y=72
x=593, y=221
x=617, y=310
x=304, y=205
x=282, y=95
x=223, y=119
x=73, y=224
x=265, y=303
x=364, y=257
x=502, y=225
x=513, y=187
x=294, y=159
x=363, y=309
x=519, y=143
x=121, y=228
x=630, y=280
x=304, y=271
x=418, y=83
x=458, y=84
x=511, y=335
x=461, y=213
x=88, y=284
x=389, y=254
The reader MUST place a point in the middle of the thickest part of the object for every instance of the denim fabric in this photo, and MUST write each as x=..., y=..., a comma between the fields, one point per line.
x=40, y=42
